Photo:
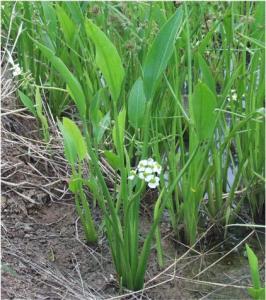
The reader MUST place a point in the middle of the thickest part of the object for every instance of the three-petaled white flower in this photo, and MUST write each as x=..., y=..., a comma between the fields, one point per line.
x=146, y=172
x=153, y=181
x=157, y=168
x=142, y=165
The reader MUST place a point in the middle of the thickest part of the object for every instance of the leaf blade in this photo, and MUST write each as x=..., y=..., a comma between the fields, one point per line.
x=202, y=111
x=136, y=104
x=74, y=143
x=107, y=59
x=160, y=53
x=27, y=102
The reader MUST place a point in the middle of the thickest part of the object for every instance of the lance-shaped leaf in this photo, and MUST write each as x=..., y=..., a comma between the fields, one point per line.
x=107, y=59
x=254, y=267
x=136, y=104
x=202, y=111
x=207, y=75
x=67, y=26
x=160, y=52
x=74, y=144
x=73, y=84
x=27, y=102
x=50, y=20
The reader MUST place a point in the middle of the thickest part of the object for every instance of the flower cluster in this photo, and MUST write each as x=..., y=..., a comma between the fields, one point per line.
x=148, y=170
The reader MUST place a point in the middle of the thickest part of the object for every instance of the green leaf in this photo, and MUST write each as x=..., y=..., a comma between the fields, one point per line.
x=112, y=159
x=160, y=52
x=202, y=111
x=121, y=120
x=254, y=267
x=107, y=59
x=67, y=26
x=76, y=12
x=74, y=144
x=136, y=104
x=69, y=78
x=206, y=74
x=50, y=19
x=228, y=26
x=27, y=102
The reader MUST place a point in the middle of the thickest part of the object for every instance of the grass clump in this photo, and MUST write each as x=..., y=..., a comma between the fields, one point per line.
x=184, y=86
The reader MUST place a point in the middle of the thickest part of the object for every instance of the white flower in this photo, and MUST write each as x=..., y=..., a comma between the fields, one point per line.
x=16, y=70
x=153, y=182
x=150, y=161
x=234, y=97
x=149, y=177
x=148, y=170
x=157, y=168
x=132, y=175
x=142, y=165
x=143, y=175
